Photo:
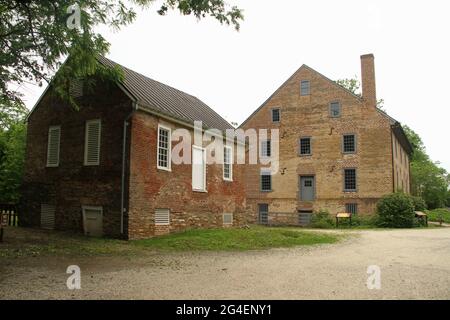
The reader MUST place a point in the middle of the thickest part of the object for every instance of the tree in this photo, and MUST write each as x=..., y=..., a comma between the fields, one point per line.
x=35, y=37
x=353, y=85
x=428, y=179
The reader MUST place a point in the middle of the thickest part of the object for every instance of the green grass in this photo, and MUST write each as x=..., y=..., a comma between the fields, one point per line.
x=437, y=214
x=26, y=242
x=257, y=237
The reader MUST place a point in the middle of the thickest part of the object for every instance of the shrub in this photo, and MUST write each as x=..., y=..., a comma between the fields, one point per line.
x=322, y=220
x=419, y=204
x=364, y=220
x=396, y=210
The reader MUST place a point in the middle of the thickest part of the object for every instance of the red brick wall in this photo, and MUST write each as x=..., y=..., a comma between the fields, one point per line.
x=152, y=189
x=72, y=184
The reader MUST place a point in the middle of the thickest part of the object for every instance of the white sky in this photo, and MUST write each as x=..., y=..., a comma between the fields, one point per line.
x=234, y=72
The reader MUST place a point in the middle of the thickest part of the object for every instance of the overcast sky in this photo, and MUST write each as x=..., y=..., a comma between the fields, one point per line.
x=234, y=72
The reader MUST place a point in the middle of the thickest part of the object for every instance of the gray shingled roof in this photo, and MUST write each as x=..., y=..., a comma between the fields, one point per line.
x=167, y=100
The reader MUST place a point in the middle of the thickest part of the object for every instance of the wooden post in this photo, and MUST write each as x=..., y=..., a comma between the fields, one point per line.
x=1, y=233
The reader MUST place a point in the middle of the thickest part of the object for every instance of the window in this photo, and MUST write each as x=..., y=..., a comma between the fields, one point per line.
x=227, y=218
x=304, y=88
x=164, y=148
x=266, y=148
x=228, y=163
x=349, y=143
x=335, y=109
x=54, y=137
x=162, y=217
x=305, y=146
x=349, y=179
x=276, y=115
x=198, y=169
x=92, y=143
x=351, y=208
x=92, y=220
x=266, y=181
x=263, y=216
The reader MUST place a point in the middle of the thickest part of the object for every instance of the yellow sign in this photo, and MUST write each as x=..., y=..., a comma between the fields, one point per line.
x=343, y=215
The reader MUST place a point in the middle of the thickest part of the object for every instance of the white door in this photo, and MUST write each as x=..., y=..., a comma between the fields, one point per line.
x=198, y=169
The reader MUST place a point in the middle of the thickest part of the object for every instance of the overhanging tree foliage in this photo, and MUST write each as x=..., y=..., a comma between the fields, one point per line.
x=428, y=179
x=35, y=36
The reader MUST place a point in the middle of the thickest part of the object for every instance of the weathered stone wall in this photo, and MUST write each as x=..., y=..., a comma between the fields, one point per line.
x=309, y=116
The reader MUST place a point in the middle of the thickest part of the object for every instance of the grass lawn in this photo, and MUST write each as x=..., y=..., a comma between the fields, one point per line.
x=436, y=214
x=27, y=242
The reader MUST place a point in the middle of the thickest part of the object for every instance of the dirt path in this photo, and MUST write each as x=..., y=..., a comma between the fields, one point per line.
x=415, y=264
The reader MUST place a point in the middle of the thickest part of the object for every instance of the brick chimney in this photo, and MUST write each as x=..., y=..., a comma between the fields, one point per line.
x=369, y=92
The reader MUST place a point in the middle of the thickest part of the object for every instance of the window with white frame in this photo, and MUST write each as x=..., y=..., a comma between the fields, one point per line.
x=54, y=137
x=349, y=179
x=266, y=149
x=164, y=148
x=349, y=143
x=228, y=163
x=162, y=217
x=198, y=169
x=92, y=142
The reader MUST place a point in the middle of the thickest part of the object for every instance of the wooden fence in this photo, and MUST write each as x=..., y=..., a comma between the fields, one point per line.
x=11, y=213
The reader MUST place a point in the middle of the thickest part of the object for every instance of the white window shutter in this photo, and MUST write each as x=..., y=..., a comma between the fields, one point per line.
x=198, y=169
x=92, y=143
x=54, y=137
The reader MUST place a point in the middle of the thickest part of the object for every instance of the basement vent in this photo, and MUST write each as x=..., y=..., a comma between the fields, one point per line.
x=227, y=218
x=48, y=216
x=162, y=217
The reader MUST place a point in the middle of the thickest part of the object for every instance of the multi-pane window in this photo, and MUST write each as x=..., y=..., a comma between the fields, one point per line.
x=54, y=136
x=266, y=181
x=349, y=179
x=335, y=109
x=263, y=216
x=276, y=115
x=305, y=88
x=305, y=146
x=349, y=143
x=227, y=218
x=228, y=163
x=164, y=144
x=266, y=148
x=92, y=143
x=351, y=208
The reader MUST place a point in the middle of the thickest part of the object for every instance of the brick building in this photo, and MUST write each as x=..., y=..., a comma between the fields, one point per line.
x=337, y=150
x=106, y=169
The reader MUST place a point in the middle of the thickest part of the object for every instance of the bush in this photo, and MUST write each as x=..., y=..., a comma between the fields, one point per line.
x=419, y=204
x=322, y=220
x=396, y=210
x=364, y=220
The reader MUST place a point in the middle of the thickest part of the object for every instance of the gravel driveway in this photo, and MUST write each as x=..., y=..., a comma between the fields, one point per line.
x=415, y=264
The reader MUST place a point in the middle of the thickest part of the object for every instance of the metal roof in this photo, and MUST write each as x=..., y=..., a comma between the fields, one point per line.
x=167, y=100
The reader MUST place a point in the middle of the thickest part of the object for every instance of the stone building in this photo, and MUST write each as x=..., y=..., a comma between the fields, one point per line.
x=337, y=150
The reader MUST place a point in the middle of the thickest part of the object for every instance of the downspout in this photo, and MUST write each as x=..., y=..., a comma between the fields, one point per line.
x=124, y=151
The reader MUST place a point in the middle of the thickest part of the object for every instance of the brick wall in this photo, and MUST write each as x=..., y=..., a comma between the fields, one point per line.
x=71, y=184
x=152, y=188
